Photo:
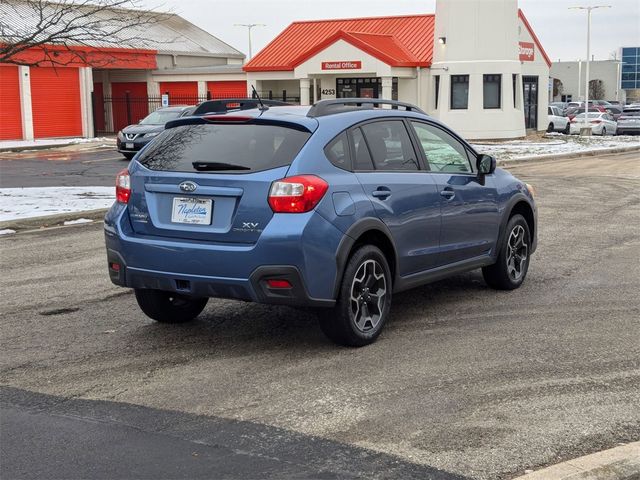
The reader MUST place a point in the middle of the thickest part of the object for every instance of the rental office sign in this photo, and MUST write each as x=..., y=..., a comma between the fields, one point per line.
x=352, y=65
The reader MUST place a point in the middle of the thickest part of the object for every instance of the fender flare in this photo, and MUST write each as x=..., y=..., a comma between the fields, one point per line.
x=517, y=198
x=348, y=241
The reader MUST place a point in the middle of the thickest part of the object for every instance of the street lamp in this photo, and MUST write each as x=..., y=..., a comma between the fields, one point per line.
x=249, y=26
x=583, y=131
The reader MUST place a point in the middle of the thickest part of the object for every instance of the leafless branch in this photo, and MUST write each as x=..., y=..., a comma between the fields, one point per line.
x=56, y=30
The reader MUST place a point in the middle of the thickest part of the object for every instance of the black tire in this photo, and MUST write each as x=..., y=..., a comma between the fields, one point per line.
x=505, y=275
x=169, y=307
x=567, y=129
x=128, y=156
x=356, y=329
x=550, y=127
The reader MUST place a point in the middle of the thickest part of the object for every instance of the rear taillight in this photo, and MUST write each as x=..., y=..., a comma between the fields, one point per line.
x=123, y=186
x=296, y=194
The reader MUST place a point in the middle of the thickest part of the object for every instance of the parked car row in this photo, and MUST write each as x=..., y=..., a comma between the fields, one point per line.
x=603, y=117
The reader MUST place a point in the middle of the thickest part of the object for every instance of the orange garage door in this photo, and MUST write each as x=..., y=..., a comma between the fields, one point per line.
x=231, y=89
x=130, y=103
x=55, y=101
x=180, y=93
x=10, y=116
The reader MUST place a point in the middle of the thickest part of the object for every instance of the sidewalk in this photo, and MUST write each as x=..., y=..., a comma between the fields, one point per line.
x=40, y=144
x=620, y=463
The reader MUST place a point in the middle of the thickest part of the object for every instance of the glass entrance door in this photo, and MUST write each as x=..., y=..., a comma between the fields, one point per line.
x=358, y=87
x=530, y=87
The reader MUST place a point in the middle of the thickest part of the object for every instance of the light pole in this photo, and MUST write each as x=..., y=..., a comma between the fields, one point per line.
x=249, y=26
x=584, y=131
x=618, y=78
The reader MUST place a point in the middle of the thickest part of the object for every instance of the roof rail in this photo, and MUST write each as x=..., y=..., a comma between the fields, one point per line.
x=341, y=105
x=227, y=104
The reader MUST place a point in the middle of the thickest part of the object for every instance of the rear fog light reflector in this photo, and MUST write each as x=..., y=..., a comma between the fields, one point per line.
x=278, y=283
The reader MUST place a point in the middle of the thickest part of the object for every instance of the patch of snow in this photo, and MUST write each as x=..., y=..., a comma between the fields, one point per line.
x=51, y=142
x=77, y=221
x=7, y=231
x=20, y=203
x=555, y=143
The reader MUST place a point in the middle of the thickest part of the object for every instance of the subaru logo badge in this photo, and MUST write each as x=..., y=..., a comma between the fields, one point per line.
x=188, y=186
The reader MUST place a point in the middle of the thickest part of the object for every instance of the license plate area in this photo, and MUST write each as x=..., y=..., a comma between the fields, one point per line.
x=129, y=145
x=192, y=211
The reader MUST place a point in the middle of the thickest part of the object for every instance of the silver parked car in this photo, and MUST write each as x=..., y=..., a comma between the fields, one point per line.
x=629, y=122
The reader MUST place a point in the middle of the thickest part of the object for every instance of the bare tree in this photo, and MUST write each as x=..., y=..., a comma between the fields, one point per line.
x=558, y=88
x=38, y=32
x=596, y=90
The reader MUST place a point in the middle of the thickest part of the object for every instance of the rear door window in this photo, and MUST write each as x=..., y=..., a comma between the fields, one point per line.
x=233, y=148
x=390, y=146
x=362, y=158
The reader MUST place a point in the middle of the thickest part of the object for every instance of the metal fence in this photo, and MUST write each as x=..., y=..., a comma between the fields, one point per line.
x=112, y=113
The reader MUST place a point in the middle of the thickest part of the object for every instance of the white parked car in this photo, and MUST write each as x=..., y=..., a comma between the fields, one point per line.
x=600, y=123
x=557, y=121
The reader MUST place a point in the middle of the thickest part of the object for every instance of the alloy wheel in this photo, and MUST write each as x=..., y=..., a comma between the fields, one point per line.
x=517, y=253
x=368, y=295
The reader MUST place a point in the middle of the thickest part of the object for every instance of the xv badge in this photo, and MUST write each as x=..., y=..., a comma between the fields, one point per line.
x=250, y=225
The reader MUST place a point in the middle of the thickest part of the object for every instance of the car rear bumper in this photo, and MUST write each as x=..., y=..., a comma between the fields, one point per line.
x=628, y=130
x=202, y=269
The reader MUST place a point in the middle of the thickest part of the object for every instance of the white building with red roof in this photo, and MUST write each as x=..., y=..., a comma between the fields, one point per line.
x=478, y=66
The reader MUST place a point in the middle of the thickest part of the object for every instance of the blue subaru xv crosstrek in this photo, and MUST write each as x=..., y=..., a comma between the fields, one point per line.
x=338, y=206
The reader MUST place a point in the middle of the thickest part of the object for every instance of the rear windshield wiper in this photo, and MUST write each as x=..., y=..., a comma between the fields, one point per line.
x=209, y=166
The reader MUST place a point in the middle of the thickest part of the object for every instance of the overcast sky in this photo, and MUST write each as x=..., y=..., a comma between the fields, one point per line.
x=561, y=31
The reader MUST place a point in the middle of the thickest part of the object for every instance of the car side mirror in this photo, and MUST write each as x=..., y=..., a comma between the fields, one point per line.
x=486, y=164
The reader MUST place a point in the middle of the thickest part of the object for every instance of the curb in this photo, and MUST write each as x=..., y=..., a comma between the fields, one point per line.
x=619, y=463
x=567, y=156
x=52, y=220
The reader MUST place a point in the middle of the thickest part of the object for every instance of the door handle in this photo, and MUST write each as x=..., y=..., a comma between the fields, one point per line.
x=448, y=193
x=381, y=192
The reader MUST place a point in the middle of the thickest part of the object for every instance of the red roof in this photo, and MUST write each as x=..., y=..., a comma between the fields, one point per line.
x=403, y=41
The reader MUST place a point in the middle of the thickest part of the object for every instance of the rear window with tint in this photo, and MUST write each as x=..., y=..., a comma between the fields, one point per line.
x=234, y=148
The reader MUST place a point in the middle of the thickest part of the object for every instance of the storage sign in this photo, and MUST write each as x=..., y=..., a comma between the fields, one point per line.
x=527, y=51
x=354, y=65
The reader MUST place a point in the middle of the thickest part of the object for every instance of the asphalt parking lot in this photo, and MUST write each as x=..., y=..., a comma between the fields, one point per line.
x=464, y=382
x=76, y=165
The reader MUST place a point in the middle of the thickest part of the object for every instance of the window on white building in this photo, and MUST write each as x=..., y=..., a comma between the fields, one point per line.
x=514, y=80
x=491, y=88
x=436, y=92
x=459, y=92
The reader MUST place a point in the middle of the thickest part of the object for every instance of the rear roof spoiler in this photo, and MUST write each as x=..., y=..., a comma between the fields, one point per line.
x=304, y=124
x=229, y=104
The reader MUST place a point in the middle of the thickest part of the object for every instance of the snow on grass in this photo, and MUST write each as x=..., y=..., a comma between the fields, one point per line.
x=78, y=221
x=26, y=145
x=20, y=203
x=7, y=231
x=552, y=144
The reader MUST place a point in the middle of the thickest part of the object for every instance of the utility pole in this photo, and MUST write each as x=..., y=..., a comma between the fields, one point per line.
x=586, y=129
x=249, y=26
